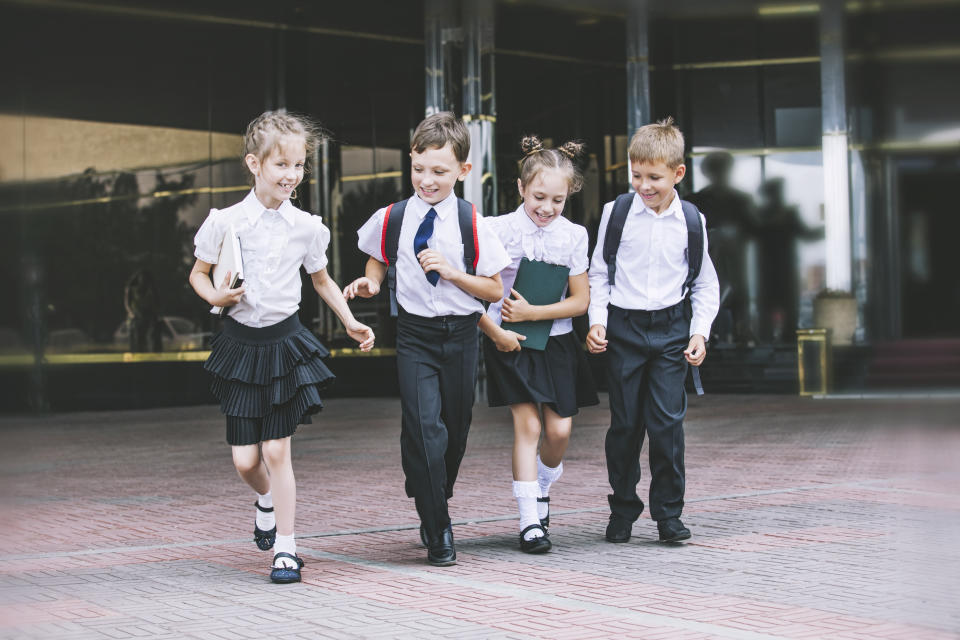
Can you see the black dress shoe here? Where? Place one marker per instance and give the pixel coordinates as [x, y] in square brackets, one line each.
[672, 530]
[537, 544]
[618, 529]
[441, 552]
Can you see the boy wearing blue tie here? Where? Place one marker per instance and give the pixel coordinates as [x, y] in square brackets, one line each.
[440, 260]
[651, 308]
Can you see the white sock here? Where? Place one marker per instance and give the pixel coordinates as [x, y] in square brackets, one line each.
[265, 519]
[285, 544]
[526, 494]
[546, 476]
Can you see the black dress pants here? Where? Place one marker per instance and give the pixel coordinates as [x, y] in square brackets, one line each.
[645, 372]
[437, 368]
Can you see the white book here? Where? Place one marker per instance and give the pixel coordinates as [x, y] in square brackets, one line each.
[229, 261]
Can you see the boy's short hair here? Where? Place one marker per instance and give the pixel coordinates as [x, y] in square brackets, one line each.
[437, 130]
[660, 142]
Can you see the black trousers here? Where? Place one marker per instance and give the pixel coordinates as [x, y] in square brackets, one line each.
[437, 368]
[645, 372]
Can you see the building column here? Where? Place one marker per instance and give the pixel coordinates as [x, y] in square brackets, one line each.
[638, 66]
[479, 106]
[836, 166]
[440, 35]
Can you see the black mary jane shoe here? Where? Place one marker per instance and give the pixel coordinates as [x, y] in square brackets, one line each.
[540, 544]
[286, 575]
[545, 522]
[264, 539]
[441, 552]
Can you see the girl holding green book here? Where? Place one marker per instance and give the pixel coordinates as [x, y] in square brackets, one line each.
[534, 360]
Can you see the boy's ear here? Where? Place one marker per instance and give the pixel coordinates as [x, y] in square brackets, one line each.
[253, 163]
[681, 171]
[464, 170]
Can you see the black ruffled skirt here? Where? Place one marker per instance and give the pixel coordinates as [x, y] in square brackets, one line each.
[559, 376]
[268, 379]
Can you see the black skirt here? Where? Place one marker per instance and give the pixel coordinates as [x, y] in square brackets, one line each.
[268, 379]
[559, 376]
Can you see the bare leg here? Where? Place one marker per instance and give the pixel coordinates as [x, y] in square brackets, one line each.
[526, 437]
[247, 460]
[556, 437]
[276, 454]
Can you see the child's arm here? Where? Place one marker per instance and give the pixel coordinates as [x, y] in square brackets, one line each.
[367, 285]
[517, 309]
[489, 288]
[216, 296]
[324, 285]
[504, 339]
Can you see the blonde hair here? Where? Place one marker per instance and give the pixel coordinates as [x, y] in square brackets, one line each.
[659, 142]
[536, 158]
[439, 129]
[265, 132]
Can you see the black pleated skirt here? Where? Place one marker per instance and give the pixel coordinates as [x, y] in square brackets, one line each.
[268, 379]
[559, 376]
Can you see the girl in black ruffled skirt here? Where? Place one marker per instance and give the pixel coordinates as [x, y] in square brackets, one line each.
[267, 367]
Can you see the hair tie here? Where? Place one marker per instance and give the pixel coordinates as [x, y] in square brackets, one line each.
[536, 149]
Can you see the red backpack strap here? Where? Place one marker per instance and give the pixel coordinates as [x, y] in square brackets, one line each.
[383, 235]
[467, 214]
[476, 241]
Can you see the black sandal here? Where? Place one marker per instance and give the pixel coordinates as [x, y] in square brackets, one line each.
[545, 522]
[264, 539]
[286, 575]
[540, 544]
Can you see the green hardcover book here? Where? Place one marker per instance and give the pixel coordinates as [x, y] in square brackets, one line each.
[540, 283]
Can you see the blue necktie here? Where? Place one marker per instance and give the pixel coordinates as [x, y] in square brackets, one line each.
[424, 231]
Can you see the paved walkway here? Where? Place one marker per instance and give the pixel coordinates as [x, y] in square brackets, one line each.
[810, 519]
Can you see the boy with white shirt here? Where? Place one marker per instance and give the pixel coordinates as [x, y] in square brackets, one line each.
[438, 311]
[652, 311]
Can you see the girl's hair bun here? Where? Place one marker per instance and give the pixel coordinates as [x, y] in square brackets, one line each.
[530, 145]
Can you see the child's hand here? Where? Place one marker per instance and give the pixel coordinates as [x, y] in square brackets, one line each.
[597, 339]
[516, 309]
[363, 287]
[696, 350]
[507, 340]
[431, 260]
[225, 296]
[361, 333]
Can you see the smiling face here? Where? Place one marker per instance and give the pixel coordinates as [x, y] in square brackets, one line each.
[435, 171]
[545, 196]
[279, 173]
[654, 181]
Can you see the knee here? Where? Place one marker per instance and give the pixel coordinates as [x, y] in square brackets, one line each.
[276, 452]
[559, 432]
[246, 463]
[529, 428]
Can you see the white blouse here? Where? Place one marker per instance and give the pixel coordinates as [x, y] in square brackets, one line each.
[561, 242]
[274, 243]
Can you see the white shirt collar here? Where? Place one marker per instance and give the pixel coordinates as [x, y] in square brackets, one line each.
[528, 226]
[442, 208]
[675, 209]
[254, 209]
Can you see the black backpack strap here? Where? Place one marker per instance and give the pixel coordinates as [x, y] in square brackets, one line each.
[694, 244]
[694, 261]
[467, 213]
[389, 244]
[611, 240]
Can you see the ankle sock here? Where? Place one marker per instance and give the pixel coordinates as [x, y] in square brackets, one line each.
[265, 519]
[526, 494]
[546, 476]
[285, 544]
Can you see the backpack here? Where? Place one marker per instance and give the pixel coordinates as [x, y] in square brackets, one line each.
[694, 251]
[390, 241]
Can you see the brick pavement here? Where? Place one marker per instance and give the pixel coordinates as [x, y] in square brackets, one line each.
[811, 519]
